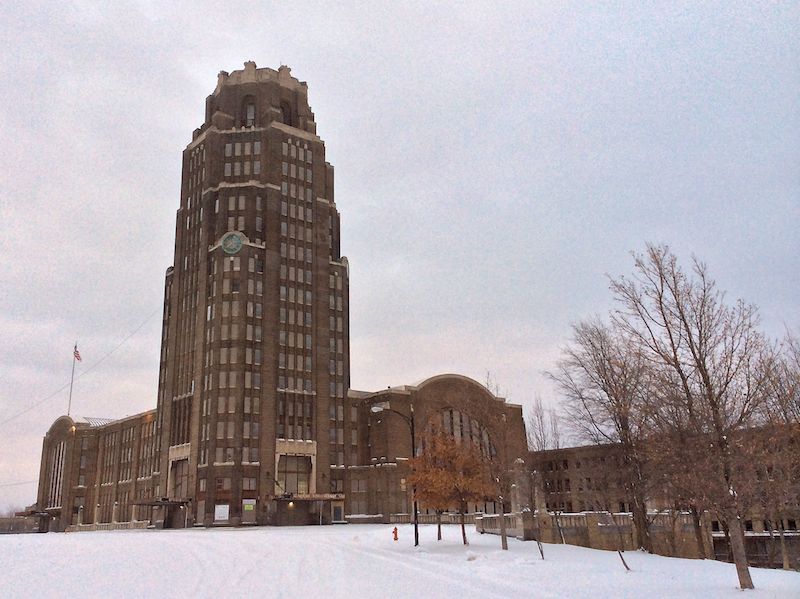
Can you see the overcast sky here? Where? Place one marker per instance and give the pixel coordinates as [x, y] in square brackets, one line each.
[493, 164]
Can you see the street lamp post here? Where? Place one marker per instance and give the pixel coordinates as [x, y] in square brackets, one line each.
[376, 409]
[501, 494]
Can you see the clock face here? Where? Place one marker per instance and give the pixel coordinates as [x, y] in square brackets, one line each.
[231, 243]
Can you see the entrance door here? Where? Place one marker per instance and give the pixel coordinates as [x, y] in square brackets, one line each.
[221, 511]
[248, 511]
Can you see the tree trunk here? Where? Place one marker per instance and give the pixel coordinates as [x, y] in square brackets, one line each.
[727, 540]
[503, 535]
[784, 553]
[771, 551]
[624, 563]
[640, 525]
[671, 536]
[558, 526]
[736, 535]
[619, 530]
[439, 525]
[463, 530]
[698, 533]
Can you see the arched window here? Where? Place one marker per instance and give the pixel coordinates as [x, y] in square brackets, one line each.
[465, 430]
[250, 115]
[248, 112]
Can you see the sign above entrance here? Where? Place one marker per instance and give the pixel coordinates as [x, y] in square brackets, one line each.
[221, 512]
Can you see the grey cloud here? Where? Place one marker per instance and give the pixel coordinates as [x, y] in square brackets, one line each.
[492, 165]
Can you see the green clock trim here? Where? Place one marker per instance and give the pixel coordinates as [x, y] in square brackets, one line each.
[231, 243]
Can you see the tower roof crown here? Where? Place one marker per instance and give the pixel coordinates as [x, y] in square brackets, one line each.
[252, 74]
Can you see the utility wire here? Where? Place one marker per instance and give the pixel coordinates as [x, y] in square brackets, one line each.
[88, 370]
[24, 482]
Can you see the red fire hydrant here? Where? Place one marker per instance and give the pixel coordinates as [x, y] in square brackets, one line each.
[394, 532]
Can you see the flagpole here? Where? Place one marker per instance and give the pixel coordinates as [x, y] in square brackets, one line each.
[72, 378]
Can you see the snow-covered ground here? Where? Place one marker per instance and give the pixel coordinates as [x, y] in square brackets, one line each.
[351, 561]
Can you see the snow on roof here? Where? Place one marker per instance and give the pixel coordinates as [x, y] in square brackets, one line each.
[92, 421]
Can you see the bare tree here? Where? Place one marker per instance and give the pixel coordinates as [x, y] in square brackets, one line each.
[555, 430]
[709, 352]
[777, 446]
[499, 465]
[491, 384]
[678, 466]
[605, 380]
[542, 427]
[783, 401]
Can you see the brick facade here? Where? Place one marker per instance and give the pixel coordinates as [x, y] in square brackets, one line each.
[255, 421]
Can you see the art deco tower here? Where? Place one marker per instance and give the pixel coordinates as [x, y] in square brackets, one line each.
[255, 351]
[255, 420]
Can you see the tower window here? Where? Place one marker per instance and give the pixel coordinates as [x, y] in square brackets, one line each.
[286, 113]
[250, 115]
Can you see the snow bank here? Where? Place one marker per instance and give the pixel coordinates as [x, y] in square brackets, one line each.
[349, 561]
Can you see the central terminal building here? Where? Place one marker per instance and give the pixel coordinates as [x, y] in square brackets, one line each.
[255, 421]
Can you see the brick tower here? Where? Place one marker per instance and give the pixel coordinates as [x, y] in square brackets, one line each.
[254, 365]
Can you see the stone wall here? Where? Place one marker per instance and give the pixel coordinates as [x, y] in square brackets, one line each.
[138, 524]
[673, 534]
[22, 524]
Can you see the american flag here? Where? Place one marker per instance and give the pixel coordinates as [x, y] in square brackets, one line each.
[76, 354]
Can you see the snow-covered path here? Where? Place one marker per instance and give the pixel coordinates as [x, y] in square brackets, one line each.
[349, 561]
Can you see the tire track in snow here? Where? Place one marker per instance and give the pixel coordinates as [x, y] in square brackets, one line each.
[425, 565]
